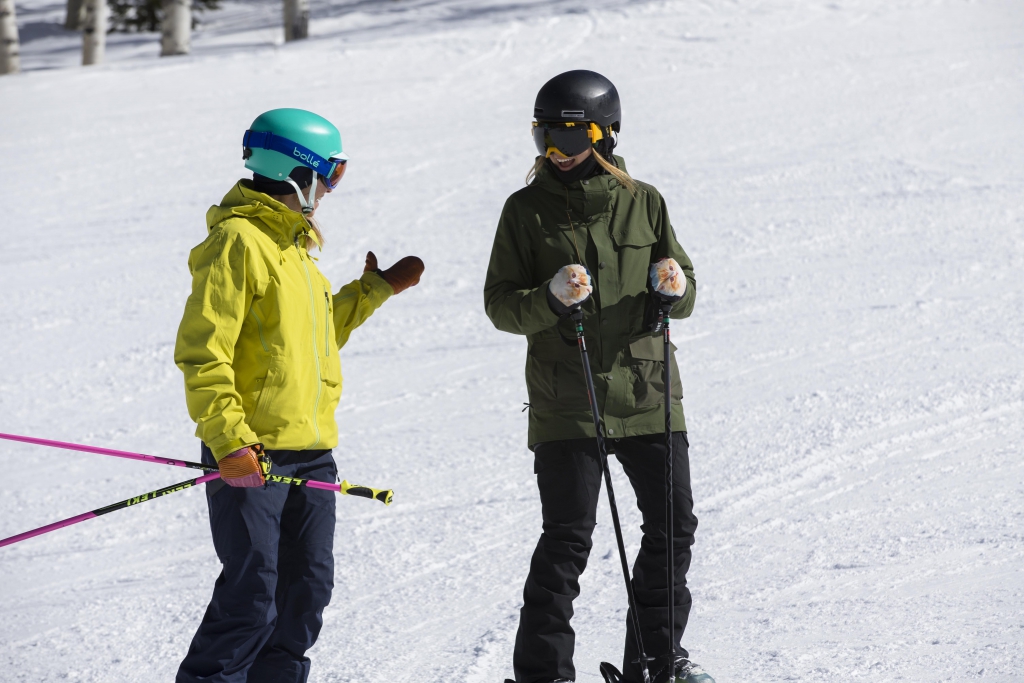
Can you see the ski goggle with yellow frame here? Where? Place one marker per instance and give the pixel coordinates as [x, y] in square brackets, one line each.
[568, 139]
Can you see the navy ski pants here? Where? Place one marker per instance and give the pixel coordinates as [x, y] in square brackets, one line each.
[276, 544]
[569, 478]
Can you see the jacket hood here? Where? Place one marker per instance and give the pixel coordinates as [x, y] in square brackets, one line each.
[243, 201]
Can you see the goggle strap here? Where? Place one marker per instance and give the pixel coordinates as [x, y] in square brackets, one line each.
[266, 140]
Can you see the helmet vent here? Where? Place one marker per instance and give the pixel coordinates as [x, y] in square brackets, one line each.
[572, 114]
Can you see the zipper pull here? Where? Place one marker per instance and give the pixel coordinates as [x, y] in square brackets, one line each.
[327, 324]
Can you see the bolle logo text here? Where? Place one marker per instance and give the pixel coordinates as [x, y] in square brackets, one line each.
[305, 157]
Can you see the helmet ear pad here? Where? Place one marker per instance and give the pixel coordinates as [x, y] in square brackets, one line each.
[605, 145]
[302, 175]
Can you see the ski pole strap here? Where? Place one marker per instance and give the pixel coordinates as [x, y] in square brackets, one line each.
[383, 495]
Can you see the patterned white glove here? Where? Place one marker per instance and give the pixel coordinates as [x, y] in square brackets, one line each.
[569, 288]
[668, 280]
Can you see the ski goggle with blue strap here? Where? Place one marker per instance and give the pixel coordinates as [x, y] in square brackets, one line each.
[331, 170]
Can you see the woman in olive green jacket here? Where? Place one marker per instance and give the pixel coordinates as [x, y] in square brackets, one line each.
[584, 233]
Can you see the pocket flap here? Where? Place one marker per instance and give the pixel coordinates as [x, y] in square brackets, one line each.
[650, 348]
[332, 370]
[634, 236]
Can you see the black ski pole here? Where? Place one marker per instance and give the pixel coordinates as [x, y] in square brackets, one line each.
[577, 316]
[670, 561]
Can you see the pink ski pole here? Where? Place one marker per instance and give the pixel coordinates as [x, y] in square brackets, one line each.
[135, 500]
[383, 495]
[107, 451]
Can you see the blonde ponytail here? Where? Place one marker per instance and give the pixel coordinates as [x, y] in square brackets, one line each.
[624, 178]
[311, 241]
[537, 165]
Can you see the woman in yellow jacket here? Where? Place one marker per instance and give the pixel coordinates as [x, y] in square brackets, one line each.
[258, 345]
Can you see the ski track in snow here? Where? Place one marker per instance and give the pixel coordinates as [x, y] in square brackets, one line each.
[846, 177]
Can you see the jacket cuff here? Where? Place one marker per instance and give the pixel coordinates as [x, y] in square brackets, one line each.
[379, 290]
[225, 445]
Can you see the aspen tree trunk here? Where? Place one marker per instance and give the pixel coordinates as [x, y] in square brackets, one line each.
[176, 28]
[296, 19]
[94, 32]
[73, 20]
[10, 62]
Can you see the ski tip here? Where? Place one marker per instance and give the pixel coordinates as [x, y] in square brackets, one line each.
[610, 673]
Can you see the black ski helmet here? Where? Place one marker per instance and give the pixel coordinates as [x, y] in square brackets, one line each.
[579, 95]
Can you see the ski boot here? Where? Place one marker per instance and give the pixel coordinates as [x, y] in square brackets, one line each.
[688, 672]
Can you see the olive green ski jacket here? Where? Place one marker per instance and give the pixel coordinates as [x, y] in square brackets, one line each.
[617, 237]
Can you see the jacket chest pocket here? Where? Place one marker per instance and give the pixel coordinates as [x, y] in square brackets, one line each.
[332, 370]
[331, 373]
[634, 235]
[648, 367]
[556, 247]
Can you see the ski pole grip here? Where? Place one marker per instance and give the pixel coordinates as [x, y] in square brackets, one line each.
[383, 495]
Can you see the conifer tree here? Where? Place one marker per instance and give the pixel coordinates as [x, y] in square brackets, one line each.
[129, 16]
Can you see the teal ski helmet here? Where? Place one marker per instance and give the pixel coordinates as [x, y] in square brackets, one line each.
[281, 139]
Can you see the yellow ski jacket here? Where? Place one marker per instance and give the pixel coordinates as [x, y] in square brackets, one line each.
[258, 342]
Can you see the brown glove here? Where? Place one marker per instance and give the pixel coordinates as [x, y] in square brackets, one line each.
[400, 276]
[242, 468]
[371, 263]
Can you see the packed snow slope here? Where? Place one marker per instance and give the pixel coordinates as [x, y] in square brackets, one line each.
[847, 178]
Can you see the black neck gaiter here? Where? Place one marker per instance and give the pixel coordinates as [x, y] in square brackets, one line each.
[586, 168]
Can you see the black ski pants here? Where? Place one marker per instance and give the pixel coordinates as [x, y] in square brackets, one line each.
[276, 544]
[569, 477]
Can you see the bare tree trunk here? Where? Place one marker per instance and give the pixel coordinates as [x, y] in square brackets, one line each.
[176, 28]
[10, 62]
[296, 19]
[75, 16]
[94, 32]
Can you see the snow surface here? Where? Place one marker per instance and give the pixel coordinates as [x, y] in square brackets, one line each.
[847, 178]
